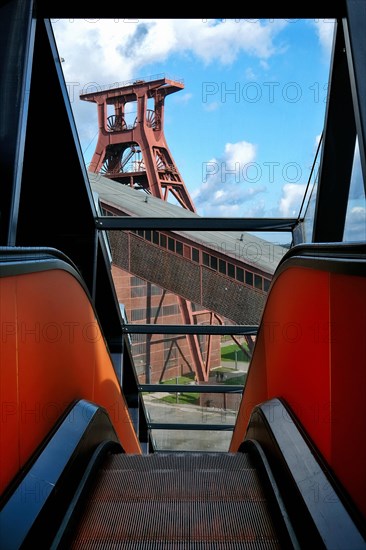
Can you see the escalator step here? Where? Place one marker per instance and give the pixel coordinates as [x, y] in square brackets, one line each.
[196, 500]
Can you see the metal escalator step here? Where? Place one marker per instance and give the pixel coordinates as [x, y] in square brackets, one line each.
[195, 500]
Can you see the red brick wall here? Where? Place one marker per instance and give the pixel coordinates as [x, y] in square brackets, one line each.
[158, 357]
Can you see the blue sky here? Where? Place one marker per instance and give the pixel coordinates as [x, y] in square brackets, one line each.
[244, 130]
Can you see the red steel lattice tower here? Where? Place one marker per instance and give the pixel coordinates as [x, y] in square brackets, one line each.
[132, 150]
[131, 146]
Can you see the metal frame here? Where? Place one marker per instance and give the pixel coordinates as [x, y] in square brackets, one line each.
[191, 388]
[345, 119]
[190, 329]
[355, 44]
[197, 224]
[337, 151]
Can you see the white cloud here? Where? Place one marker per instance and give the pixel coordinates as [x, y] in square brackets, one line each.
[250, 74]
[98, 53]
[357, 189]
[213, 106]
[240, 153]
[264, 64]
[290, 202]
[107, 49]
[355, 229]
[230, 37]
[183, 98]
[325, 31]
[225, 181]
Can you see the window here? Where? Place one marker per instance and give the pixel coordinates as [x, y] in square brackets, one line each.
[205, 259]
[195, 255]
[249, 278]
[170, 310]
[138, 338]
[240, 274]
[222, 267]
[258, 282]
[213, 262]
[136, 281]
[138, 291]
[171, 244]
[156, 290]
[163, 240]
[231, 270]
[179, 248]
[139, 349]
[138, 314]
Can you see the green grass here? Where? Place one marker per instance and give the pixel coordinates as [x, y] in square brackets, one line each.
[182, 399]
[228, 353]
[236, 380]
[186, 379]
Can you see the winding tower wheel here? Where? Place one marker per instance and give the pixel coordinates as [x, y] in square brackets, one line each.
[116, 123]
[120, 159]
[152, 119]
[112, 160]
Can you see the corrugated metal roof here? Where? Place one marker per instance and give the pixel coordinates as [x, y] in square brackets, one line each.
[242, 246]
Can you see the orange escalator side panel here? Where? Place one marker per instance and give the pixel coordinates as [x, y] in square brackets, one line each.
[348, 384]
[61, 356]
[291, 356]
[311, 352]
[297, 349]
[9, 420]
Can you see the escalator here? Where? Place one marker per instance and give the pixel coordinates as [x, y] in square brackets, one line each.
[74, 474]
[197, 500]
[82, 491]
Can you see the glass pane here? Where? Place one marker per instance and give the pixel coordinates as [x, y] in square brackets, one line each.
[163, 240]
[193, 408]
[240, 274]
[355, 226]
[237, 92]
[213, 262]
[195, 255]
[211, 404]
[169, 359]
[192, 440]
[171, 244]
[258, 282]
[308, 207]
[222, 267]
[231, 270]
[222, 284]
[249, 277]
